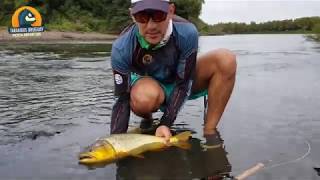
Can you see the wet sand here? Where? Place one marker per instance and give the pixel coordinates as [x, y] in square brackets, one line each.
[58, 37]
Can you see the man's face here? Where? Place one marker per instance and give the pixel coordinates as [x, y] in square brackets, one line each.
[153, 24]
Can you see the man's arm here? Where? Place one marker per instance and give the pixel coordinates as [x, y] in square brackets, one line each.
[181, 91]
[121, 109]
[188, 45]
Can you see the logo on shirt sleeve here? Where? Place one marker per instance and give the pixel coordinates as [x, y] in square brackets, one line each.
[118, 79]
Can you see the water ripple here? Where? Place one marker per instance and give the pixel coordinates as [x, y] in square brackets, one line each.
[40, 97]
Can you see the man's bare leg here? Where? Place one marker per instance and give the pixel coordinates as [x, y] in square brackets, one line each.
[216, 72]
[146, 96]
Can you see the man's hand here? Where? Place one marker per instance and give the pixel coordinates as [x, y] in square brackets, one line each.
[164, 131]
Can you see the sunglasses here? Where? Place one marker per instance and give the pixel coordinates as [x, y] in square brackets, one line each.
[144, 16]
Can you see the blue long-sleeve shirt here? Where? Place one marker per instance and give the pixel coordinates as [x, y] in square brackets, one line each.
[173, 63]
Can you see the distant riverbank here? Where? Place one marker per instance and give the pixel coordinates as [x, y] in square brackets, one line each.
[66, 37]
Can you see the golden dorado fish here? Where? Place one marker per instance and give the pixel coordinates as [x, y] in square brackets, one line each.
[118, 146]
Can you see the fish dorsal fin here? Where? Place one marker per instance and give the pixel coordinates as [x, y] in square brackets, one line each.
[135, 130]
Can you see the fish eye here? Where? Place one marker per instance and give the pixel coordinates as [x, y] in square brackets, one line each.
[30, 15]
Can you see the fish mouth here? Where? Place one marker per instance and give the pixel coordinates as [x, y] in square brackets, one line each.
[86, 158]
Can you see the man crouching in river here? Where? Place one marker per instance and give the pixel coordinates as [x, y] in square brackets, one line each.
[155, 66]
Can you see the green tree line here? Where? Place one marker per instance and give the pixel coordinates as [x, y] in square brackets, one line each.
[299, 25]
[88, 15]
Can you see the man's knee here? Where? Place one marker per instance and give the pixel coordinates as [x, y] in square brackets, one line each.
[226, 62]
[146, 96]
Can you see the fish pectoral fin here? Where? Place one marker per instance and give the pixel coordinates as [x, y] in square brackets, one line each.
[159, 149]
[138, 156]
[137, 153]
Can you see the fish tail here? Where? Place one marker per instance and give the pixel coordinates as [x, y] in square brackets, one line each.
[181, 140]
[184, 136]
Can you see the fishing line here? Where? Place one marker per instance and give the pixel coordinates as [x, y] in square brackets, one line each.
[264, 165]
[294, 160]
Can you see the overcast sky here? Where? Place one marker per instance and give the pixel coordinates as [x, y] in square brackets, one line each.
[214, 11]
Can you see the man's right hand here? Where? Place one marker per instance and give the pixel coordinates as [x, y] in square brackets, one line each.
[164, 131]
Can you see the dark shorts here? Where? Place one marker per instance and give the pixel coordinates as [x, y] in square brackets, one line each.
[168, 88]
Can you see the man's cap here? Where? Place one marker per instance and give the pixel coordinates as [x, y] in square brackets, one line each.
[140, 5]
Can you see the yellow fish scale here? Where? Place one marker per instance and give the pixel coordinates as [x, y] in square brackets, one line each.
[134, 143]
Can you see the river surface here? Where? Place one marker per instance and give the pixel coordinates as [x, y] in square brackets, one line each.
[57, 99]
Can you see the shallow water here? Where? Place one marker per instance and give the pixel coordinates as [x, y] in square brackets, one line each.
[57, 99]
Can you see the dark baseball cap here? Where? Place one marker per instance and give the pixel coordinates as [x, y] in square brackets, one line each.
[140, 5]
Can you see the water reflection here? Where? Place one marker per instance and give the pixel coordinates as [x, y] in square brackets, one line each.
[56, 51]
[202, 161]
[175, 163]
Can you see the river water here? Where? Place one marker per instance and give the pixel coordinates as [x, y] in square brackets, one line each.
[57, 99]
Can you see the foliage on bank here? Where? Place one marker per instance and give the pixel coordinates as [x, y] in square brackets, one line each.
[316, 31]
[299, 25]
[88, 15]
